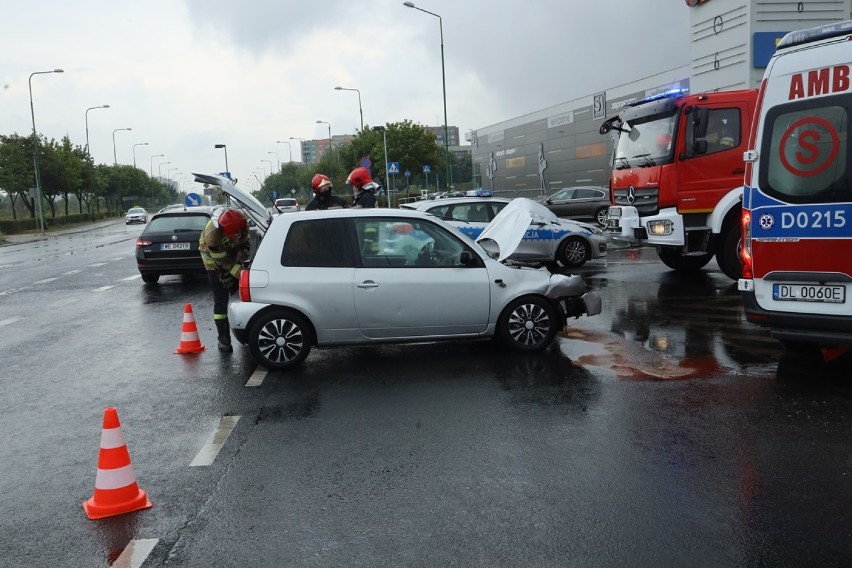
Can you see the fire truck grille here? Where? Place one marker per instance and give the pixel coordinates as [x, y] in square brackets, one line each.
[645, 200]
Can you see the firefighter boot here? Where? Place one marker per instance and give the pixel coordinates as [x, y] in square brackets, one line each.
[223, 328]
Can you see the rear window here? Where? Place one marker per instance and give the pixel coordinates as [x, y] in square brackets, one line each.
[806, 151]
[177, 223]
[285, 202]
[317, 243]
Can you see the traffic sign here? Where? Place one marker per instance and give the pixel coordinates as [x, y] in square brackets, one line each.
[393, 168]
[426, 169]
[366, 162]
[192, 200]
[407, 173]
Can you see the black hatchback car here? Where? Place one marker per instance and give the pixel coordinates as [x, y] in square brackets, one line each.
[169, 243]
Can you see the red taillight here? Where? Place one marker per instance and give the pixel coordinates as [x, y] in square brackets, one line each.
[245, 293]
[142, 243]
[745, 249]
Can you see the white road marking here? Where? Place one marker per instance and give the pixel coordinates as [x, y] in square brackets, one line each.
[207, 454]
[97, 264]
[117, 258]
[63, 303]
[257, 377]
[10, 321]
[136, 553]
[104, 288]
[70, 272]
[134, 277]
[11, 291]
[46, 280]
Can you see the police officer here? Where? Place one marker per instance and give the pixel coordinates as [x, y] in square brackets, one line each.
[224, 245]
[363, 186]
[323, 197]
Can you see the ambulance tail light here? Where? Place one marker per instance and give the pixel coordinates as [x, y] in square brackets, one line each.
[745, 250]
[245, 291]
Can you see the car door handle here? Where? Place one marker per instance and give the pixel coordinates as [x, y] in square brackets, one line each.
[368, 284]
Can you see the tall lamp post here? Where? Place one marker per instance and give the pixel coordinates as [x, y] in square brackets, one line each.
[225, 147]
[152, 163]
[279, 160]
[444, 81]
[87, 124]
[114, 155]
[289, 148]
[35, 149]
[301, 149]
[134, 151]
[169, 175]
[385, 139]
[160, 169]
[360, 109]
[271, 167]
[330, 145]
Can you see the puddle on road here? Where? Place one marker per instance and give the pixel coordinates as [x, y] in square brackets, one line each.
[634, 361]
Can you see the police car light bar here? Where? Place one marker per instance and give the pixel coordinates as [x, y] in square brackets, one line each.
[815, 34]
[672, 94]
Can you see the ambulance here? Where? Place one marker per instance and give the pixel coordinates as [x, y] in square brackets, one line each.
[797, 200]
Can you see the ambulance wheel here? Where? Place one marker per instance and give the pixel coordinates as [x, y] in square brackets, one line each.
[674, 259]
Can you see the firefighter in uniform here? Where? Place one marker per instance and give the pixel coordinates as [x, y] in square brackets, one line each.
[363, 186]
[323, 197]
[224, 245]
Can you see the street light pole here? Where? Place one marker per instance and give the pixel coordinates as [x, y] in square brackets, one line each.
[289, 148]
[225, 147]
[152, 163]
[360, 109]
[160, 169]
[87, 123]
[279, 160]
[444, 82]
[114, 155]
[330, 145]
[134, 151]
[271, 167]
[385, 140]
[35, 149]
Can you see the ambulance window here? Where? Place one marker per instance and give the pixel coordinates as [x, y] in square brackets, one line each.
[805, 149]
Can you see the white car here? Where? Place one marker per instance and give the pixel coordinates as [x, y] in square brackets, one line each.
[548, 238]
[371, 276]
[286, 205]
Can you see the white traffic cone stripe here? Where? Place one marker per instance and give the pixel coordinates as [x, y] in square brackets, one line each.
[112, 438]
[189, 336]
[115, 478]
[187, 317]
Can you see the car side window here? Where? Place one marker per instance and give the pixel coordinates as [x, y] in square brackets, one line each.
[587, 194]
[496, 207]
[400, 242]
[317, 243]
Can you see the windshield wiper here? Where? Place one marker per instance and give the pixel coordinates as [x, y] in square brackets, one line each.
[624, 163]
[650, 161]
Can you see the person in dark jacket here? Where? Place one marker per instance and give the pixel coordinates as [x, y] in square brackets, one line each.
[323, 196]
[363, 186]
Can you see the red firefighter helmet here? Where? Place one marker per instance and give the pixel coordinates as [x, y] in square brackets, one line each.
[359, 177]
[321, 183]
[233, 224]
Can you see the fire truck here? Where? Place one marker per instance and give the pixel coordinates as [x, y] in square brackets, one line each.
[677, 176]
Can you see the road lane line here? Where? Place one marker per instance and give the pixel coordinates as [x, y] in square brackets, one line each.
[104, 288]
[256, 378]
[97, 264]
[207, 454]
[117, 258]
[11, 291]
[70, 272]
[46, 280]
[136, 553]
[10, 321]
[134, 277]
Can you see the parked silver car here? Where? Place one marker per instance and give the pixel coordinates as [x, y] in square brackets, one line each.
[583, 202]
[548, 238]
[370, 276]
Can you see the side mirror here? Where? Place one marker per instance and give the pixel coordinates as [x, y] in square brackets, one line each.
[466, 258]
[700, 147]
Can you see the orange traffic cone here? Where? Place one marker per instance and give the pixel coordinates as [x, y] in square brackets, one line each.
[189, 341]
[116, 491]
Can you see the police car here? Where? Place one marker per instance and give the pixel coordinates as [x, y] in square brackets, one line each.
[548, 238]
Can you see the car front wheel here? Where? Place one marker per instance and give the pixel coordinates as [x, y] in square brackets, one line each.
[600, 216]
[574, 252]
[280, 340]
[528, 324]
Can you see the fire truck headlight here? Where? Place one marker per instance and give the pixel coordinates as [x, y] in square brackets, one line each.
[660, 228]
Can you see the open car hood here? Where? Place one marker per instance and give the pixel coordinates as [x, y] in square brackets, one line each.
[508, 227]
[246, 201]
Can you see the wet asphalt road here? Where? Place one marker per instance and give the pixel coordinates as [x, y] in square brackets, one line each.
[665, 431]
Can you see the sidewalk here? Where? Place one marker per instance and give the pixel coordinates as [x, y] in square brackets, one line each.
[28, 237]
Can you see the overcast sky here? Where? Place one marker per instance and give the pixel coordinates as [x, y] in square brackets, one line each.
[188, 74]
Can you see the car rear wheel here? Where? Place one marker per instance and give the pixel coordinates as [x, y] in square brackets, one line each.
[529, 323]
[280, 340]
[150, 277]
[600, 216]
[574, 252]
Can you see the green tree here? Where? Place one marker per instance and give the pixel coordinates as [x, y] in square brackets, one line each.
[16, 170]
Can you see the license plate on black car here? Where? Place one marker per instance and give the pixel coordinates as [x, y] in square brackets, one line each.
[174, 246]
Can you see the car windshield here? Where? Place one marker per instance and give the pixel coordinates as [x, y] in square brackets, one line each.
[285, 202]
[177, 223]
[136, 210]
[648, 142]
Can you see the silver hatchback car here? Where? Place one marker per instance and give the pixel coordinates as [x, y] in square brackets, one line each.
[372, 276]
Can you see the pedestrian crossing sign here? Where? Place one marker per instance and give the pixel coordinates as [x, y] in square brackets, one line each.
[393, 168]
